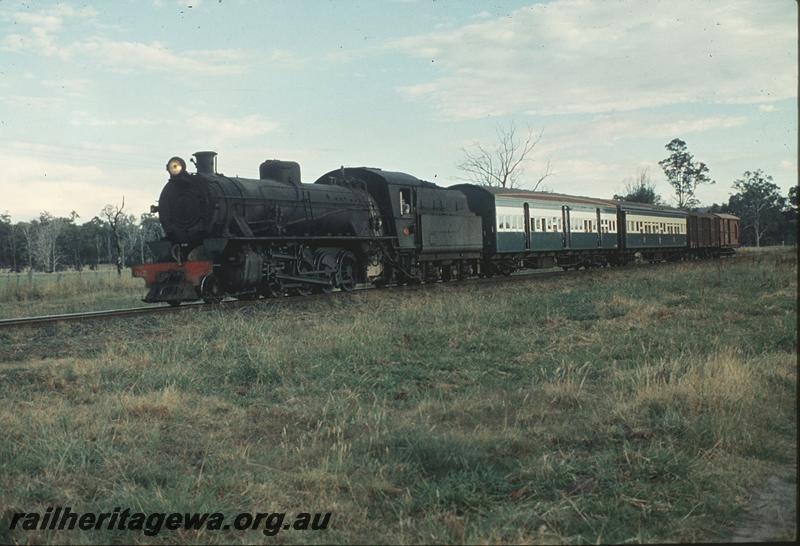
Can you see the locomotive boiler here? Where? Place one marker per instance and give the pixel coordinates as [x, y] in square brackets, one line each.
[250, 237]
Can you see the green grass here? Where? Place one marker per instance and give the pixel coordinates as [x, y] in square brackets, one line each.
[636, 404]
[23, 294]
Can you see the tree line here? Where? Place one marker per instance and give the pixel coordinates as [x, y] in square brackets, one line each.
[54, 243]
[767, 216]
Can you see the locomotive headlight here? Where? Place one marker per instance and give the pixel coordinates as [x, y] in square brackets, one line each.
[176, 166]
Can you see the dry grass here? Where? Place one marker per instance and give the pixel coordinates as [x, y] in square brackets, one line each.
[611, 407]
[24, 294]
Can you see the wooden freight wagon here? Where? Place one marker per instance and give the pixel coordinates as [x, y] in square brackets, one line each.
[703, 231]
[728, 230]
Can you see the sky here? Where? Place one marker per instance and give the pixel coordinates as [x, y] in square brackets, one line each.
[95, 97]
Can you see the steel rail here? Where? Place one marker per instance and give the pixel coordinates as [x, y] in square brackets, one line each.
[155, 309]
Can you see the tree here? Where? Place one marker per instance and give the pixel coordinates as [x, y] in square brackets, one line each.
[640, 189]
[502, 165]
[790, 216]
[8, 251]
[758, 203]
[683, 173]
[129, 234]
[28, 231]
[115, 216]
[46, 244]
[150, 230]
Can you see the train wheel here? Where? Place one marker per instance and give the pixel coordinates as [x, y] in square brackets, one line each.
[346, 272]
[305, 264]
[325, 260]
[210, 290]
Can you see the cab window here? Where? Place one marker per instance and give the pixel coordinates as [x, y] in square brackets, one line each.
[405, 201]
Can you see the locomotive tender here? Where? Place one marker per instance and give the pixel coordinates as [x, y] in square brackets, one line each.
[271, 236]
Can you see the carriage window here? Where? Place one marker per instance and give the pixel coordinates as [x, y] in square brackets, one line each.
[405, 201]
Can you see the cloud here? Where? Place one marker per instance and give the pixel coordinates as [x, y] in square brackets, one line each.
[33, 102]
[126, 56]
[85, 119]
[579, 56]
[222, 129]
[122, 56]
[609, 129]
[36, 184]
[74, 87]
[767, 108]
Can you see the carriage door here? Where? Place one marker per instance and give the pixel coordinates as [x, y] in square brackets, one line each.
[599, 230]
[566, 234]
[527, 226]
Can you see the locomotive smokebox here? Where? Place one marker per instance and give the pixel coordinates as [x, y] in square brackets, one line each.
[206, 162]
[287, 172]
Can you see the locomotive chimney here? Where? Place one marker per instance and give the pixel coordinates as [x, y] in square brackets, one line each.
[206, 162]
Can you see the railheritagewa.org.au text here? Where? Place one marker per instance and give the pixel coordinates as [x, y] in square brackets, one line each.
[152, 523]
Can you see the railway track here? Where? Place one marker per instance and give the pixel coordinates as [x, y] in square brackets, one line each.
[230, 304]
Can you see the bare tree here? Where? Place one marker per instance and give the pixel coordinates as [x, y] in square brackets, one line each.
[48, 253]
[502, 165]
[115, 216]
[28, 230]
[128, 233]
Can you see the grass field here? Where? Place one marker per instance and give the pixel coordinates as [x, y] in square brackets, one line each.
[23, 294]
[624, 405]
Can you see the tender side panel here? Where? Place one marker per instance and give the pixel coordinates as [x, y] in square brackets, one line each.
[451, 233]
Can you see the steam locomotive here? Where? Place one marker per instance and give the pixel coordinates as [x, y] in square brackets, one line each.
[272, 236]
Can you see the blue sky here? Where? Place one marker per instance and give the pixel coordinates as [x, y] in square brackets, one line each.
[95, 97]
